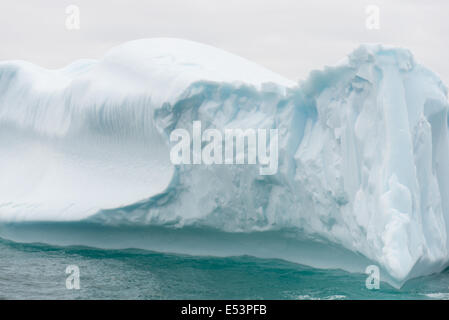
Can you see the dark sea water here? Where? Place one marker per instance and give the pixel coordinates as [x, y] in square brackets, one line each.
[37, 271]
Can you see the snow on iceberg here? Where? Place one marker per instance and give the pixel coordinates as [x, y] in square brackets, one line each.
[363, 148]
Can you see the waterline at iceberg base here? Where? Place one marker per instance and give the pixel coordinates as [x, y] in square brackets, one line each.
[363, 158]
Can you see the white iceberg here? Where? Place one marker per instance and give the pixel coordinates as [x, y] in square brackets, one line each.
[363, 148]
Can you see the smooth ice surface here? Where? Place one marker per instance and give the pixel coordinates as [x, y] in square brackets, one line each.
[363, 158]
[84, 138]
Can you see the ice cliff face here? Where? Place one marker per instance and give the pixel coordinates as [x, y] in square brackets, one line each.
[373, 164]
[363, 148]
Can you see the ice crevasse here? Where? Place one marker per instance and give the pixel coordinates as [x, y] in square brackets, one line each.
[363, 148]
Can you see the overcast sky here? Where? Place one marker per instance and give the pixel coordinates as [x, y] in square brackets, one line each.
[291, 37]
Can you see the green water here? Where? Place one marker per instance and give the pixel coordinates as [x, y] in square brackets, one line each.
[37, 271]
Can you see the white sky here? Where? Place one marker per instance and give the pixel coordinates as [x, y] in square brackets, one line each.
[290, 37]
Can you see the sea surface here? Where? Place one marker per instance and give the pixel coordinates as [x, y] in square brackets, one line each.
[38, 271]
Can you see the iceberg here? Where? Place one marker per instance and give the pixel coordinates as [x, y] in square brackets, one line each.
[363, 149]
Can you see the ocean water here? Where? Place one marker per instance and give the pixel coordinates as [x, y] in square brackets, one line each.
[37, 271]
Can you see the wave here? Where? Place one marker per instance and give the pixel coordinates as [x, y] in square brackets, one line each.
[289, 245]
